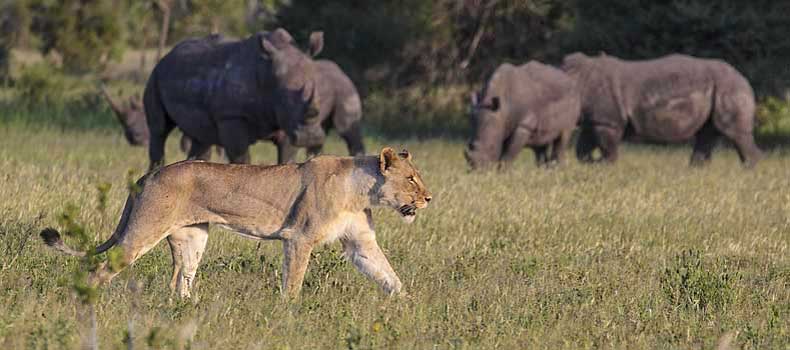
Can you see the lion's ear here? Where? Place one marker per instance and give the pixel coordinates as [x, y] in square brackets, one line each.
[386, 159]
[405, 154]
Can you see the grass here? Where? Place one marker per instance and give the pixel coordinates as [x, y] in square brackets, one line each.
[647, 253]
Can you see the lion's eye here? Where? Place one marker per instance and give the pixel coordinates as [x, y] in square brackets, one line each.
[411, 180]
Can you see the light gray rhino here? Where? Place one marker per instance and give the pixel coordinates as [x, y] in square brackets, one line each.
[674, 98]
[532, 105]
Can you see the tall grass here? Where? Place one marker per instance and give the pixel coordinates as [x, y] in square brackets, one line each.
[647, 253]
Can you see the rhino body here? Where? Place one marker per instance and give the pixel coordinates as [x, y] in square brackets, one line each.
[233, 93]
[670, 99]
[533, 105]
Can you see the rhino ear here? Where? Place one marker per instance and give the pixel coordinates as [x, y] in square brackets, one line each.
[282, 36]
[316, 43]
[495, 104]
[268, 49]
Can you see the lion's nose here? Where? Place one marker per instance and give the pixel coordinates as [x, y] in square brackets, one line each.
[428, 199]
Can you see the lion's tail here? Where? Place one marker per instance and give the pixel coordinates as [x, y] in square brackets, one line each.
[51, 236]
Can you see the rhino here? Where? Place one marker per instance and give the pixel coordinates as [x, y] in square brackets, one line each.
[131, 115]
[340, 108]
[670, 99]
[532, 105]
[232, 93]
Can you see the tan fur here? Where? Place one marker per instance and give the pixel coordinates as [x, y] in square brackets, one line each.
[324, 199]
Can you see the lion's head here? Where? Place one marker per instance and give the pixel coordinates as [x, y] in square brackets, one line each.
[403, 188]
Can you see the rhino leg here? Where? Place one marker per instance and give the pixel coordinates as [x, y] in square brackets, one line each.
[541, 155]
[609, 139]
[314, 151]
[514, 144]
[559, 146]
[586, 144]
[353, 138]
[156, 146]
[286, 152]
[747, 149]
[234, 138]
[199, 150]
[704, 142]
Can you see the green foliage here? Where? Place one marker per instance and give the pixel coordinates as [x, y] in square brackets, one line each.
[87, 34]
[748, 34]
[773, 116]
[43, 84]
[415, 41]
[693, 284]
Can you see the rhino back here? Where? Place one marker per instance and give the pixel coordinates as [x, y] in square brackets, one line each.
[338, 93]
[668, 98]
[536, 96]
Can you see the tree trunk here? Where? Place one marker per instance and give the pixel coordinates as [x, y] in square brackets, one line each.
[164, 6]
[479, 34]
[143, 47]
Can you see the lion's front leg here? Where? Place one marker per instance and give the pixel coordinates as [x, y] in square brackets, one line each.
[296, 257]
[364, 252]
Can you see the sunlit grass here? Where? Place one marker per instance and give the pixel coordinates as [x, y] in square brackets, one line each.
[572, 257]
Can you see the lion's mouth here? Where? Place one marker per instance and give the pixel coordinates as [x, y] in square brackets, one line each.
[408, 212]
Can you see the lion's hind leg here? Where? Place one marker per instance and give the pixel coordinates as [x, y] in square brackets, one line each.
[187, 245]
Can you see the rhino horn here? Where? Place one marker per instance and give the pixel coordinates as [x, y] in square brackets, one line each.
[316, 43]
[269, 50]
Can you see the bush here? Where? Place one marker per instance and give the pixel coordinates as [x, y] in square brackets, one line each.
[750, 35]
[41, 83]
[773, 116]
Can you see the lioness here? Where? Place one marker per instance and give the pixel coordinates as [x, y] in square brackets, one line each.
[303, 205]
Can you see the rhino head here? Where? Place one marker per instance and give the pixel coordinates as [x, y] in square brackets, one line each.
[131, 116]
[489, 124]
[296, 98]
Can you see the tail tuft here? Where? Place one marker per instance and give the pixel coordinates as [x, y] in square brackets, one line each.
[51, 237]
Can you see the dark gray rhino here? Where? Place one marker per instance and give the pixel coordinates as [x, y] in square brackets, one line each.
[233, 93]
[669, 99]
[529, 105]
[340, 109]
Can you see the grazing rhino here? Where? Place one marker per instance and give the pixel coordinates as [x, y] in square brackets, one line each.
[529, 105]
[233, 93]
[669, 99]
[132, 118]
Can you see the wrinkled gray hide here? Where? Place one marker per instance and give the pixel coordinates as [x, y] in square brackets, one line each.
[674, 98]
[531, 105]
[233, 93]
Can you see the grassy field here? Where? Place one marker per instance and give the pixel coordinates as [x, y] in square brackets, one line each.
[647, 253]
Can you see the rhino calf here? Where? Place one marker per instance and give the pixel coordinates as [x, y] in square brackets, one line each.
[529, 105]
[669, 99]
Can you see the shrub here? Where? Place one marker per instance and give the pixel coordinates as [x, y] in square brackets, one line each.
[773, 116]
